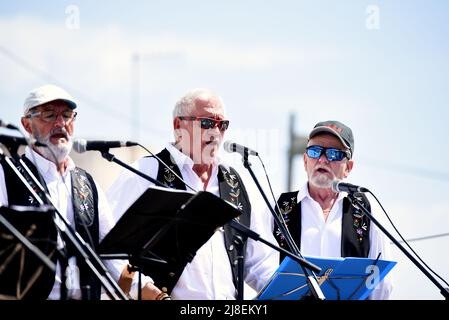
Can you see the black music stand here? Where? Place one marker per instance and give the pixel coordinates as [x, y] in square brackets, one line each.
[28, 251]
[166, 225]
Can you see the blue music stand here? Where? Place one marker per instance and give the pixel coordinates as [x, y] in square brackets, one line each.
[340, 278]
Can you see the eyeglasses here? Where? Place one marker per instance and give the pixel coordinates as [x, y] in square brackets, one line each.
[332, 154]
[209, 123]
[51, 116]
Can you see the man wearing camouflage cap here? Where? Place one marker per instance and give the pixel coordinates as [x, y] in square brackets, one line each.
[321, 221]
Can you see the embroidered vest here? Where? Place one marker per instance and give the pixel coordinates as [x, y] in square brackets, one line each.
[85, 208]
[355, 227]
[231, 189]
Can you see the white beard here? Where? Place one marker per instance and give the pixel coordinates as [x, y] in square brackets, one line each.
[55, 153]
[321, 181]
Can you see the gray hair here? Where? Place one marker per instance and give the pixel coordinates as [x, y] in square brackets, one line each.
[186, 103]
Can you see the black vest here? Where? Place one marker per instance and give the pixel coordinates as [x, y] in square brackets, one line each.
[85, 208]
[355, 240]
[231, 189]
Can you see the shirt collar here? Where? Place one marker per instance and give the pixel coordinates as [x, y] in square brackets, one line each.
[46, 166]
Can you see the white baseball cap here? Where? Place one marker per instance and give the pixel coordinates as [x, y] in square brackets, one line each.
[45, 94]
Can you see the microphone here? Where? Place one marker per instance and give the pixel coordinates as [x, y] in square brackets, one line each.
[7, 125]
[81, 145]
[340, 186]
[235, 147]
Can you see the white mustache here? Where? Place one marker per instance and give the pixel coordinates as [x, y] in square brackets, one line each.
[322, 167]
[212, 139]
[60, 131]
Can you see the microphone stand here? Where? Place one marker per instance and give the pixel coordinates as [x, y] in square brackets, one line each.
[82, 248]
[358, 204]
[13, 146]
[312, 281]
[245, 233]
[244, 230]
[110, 157]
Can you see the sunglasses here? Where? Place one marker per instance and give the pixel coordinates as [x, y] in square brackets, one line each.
[332, 154]
[208, 123]
[51, 116]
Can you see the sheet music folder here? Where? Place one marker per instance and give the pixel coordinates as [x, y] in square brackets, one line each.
[340, 278]
[167, 224]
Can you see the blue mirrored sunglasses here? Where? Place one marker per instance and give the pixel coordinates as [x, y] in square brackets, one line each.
[332, 154]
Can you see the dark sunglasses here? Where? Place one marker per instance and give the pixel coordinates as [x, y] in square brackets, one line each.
[208, 123]
[332, 154]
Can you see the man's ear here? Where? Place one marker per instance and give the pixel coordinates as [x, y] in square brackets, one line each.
[349, 166]
[176, 123]
[26, 123]
[304, 157]
[177, 130]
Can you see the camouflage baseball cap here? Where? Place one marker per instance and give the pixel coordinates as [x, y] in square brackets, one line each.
[338, 129]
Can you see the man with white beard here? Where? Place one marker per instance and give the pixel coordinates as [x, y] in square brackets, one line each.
[321, 221]
[49, 116]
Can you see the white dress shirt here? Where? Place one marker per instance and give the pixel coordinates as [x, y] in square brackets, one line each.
[208, 276]
[323, 238]
[60, 189]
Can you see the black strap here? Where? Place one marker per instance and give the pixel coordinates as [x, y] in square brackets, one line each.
[291, 213]
[233, 190]
[355, 241]
[85, 208]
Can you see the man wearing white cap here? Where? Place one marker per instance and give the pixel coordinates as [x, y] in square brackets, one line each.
[49, 117]
[41, 120]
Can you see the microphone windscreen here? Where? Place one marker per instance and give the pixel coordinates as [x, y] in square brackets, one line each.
[227, 146]
[80, 145]
[335, 184]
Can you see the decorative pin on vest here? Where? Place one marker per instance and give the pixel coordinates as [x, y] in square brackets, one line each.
[169, 177]
[234, 192]
[359, 225]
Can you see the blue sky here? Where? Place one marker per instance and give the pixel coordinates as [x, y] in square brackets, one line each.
[318, 59]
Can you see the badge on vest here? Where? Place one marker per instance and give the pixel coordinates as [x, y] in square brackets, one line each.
[359, 225]
[234, 192]
[287, 207]
[169, 177]
[83, 193]
[230, 179]
[82, 197]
